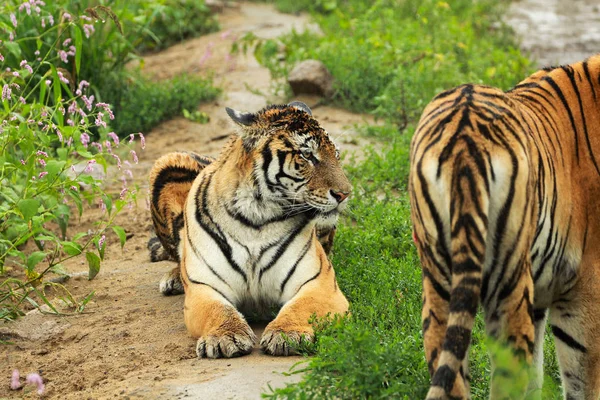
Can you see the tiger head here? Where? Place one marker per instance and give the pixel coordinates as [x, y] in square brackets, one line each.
[295, 163]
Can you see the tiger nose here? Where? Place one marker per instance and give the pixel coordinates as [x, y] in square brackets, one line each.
[339, 196]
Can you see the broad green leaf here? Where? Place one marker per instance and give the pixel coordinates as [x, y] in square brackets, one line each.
[13, 48]
[62, 153]
[93, 264]
[34, 258]
[71, 248]
[121, 234]
[54, 167]
[29, 207]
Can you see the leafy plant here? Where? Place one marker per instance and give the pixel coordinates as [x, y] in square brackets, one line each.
[55, 147]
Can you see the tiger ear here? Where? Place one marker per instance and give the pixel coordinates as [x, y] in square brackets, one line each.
[301, 106]
[241, 118]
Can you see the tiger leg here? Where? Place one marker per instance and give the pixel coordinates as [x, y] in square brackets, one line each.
[434, 314]
[575, 322]
[220, 328]
[320, 296]
[535, 385]
[510, 319]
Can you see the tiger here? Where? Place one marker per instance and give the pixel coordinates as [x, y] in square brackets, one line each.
[251, 231]
[505, 202]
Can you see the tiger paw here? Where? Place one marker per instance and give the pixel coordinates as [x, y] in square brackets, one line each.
[279, 342]
[226, 345]
[171, 284]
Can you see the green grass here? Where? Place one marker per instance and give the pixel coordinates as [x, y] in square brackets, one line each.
[141, 103]
[390, 58]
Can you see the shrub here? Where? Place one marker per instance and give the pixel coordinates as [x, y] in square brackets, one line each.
[52, 136]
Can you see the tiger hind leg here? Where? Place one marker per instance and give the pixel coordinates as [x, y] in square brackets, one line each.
[170, 283]
[575, 323]
[510, 320]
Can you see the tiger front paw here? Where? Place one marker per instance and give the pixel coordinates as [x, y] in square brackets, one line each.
[226, 344]
[279, 342]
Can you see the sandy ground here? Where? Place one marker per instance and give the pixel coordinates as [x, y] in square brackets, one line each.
[131, 342]
[557, 32]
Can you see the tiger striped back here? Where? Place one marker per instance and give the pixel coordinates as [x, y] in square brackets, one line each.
[504, 191]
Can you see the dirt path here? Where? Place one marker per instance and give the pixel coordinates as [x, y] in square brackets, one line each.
[557, 31]
[131, 342]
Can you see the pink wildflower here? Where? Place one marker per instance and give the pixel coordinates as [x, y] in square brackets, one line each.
[108, 147]
[69, 142]
[63, 56]
[22, 99]
[142, 140]
[123, 193]
[129, 173]
[13, 19]
[88, 168]
[88, 30]
[48, 82]
[101, 241]
[60, 136]
[25, 65]
[85, 139]
[106, 109]
[22, 161]
[114, 137]
[98, 146]
[16, 74]
[42, 162]
[74, 188]
[102, 205]
[134, 156]
[1, 57]
[62, 77]
[118, 160]
[67, 17]
[82, 85]
[51, 20]
[6, 92]
[36, 379]
[41, 153]
[43, 174]
[131, 137]
[88, 101]
[66, 42]
[14, 380]
[99, 121]
[70, 122]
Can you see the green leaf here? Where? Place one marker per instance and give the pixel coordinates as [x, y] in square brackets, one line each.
[121, 234]
[29, 208]
[54, 167]
[62, 153]
[34, 258]
[13, 48]
[93, 263]
[78, 48]
[71, 248]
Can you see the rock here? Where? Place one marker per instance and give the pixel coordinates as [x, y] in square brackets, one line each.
[311, 77]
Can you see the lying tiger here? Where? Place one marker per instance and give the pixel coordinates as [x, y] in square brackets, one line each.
[245, 230]
[505, 195]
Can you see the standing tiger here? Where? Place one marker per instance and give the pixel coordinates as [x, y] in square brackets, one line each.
[245, 230]
[505, 197]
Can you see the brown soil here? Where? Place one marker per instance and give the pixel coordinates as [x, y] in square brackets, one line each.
[131, 342]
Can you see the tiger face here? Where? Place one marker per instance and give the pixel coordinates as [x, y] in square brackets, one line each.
[295, 163]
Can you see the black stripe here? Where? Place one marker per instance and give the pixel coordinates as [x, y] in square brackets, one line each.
[443, 293]
[567, 339]
[457, 341]
[293, 269]
[212, 228]
[444, 377]
[171, 174]
[312, 278]
[213, 288]
[283, 247]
